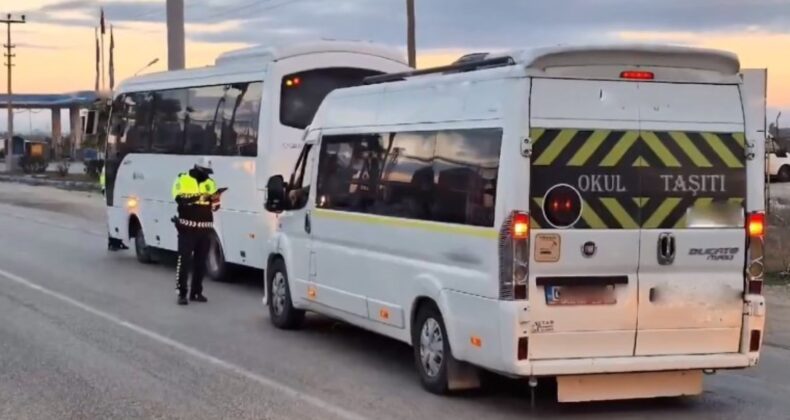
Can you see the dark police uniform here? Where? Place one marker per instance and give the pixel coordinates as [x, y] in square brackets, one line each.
[195, 193]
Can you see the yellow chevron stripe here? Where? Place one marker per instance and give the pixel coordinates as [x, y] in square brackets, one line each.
[591, 218]
[661, 213]
[555, 148]
[688, 147]
[640, 162]
[655, 144]
[641, 201]
[619, 213]
[726, 155]
[536, 133]
[620, 149]
[740, 138]
[590, 146]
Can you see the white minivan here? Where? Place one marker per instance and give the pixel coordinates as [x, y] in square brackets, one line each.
[592, 214]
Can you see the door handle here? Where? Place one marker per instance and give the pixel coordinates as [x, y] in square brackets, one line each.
[666, 248]
[307, 223]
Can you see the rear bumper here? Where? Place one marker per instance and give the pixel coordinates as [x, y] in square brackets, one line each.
[633, 364]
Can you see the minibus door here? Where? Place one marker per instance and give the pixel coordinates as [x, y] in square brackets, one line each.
[584, 212]
[691, 270]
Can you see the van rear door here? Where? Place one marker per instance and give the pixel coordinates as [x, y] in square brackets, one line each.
[693, 179]
[585, 252]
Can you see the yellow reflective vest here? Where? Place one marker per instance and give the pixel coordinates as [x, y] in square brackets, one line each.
[187, 186]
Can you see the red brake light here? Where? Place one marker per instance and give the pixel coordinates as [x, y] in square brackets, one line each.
[756, 225]
[520, 226]
[637, 75]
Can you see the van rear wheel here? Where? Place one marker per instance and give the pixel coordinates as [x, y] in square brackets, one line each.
[784, 174]
[216, 266]
[431, 350]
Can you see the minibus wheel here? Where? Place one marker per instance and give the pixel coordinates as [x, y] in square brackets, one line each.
[142, 251]
[281, 310]
[431, 349]
[216, 266]
[784, 174]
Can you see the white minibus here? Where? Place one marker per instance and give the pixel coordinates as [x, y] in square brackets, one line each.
[594, 215]
[246, 114]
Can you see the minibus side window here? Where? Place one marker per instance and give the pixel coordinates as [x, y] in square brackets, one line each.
[445, 176]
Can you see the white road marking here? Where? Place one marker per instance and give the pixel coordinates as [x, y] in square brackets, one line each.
[262, 380]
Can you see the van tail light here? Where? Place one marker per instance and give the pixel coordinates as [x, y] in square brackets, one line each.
[755, 254]
[637, 75]
[756, 224]
[514, 257]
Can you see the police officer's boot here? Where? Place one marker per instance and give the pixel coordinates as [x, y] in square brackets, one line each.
[198, 297]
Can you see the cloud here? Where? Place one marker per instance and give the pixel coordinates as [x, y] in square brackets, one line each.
[449, 24]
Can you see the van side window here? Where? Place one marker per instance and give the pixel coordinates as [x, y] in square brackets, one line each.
[444, 176]
[349, 172]
[299, 183]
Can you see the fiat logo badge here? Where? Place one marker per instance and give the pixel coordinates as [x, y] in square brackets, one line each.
[588, 249]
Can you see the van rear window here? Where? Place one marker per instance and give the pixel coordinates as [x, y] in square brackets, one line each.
[302, 93]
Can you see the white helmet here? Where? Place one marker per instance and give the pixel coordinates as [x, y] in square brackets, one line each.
[204, 164]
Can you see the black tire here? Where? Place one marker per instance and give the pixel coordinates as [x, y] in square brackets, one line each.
[143, 252]
[281, 310]
[435, 378]
[784, 174]
[216, 266]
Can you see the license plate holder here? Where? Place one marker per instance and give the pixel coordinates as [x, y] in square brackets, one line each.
[580, 295]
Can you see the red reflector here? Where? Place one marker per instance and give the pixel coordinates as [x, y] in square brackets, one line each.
[520, 226]
[637, 75]
[756, 224]
[755, 287]
[754, 343]
[523, 348]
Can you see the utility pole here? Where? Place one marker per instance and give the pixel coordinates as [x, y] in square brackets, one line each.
[176, 56]
[9, 158]
[412, 38]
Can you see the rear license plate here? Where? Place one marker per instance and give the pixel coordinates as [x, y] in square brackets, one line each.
[580, 295]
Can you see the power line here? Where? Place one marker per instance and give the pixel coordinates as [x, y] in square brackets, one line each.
[244, 7]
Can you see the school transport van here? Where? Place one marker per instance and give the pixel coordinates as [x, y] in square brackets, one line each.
[594, 215]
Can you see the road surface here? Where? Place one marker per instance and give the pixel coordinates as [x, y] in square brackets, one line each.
[89, 334]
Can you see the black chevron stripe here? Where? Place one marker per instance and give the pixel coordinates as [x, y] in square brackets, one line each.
[733, 146]
[544, 142]
[606, 146]
[677, 213]
[707, 150]
[677, 151]
[576, 142]
[597, 206]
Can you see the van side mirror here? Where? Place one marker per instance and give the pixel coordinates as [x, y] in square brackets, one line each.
[276, 194]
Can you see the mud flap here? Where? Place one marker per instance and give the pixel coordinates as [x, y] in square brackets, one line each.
[585, 388]
[462, 376]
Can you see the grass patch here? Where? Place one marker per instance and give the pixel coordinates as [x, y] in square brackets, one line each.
[777, 279]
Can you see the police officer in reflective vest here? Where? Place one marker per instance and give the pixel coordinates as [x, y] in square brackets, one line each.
[197, 198]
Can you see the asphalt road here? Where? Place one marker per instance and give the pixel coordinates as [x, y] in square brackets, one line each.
[89, 334]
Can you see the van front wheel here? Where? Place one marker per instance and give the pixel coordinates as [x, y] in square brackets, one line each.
[281, 310]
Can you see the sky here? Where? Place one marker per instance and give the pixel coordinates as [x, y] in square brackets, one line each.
[56, 48]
